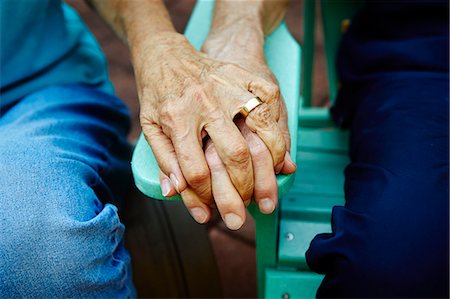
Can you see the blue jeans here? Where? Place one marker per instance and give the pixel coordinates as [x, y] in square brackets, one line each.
[64, 169]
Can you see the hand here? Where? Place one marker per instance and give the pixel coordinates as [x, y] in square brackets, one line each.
[230, 206]
[266, 191]
[228, 202]
[184, 96]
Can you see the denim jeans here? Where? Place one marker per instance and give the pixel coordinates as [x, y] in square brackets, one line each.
[64, 169]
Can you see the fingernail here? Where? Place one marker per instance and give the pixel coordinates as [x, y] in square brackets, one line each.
[233, 221]
[165, 187]
[266, 205]
[199, 215]
[279, 167]
[175, 182]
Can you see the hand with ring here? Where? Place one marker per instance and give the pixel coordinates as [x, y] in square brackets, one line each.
[203, 98]
[231, 45]
[227, 199]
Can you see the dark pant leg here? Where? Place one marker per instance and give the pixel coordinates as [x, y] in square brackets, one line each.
[391, 239]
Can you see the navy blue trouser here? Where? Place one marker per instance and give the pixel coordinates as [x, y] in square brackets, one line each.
[391, 239]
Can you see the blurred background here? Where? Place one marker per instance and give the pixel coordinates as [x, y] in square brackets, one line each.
[234, 251]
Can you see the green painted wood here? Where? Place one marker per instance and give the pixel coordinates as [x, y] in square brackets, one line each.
[295, 237]
[285, 284]
[333, 13]
[322, 154]
[331, 140]
[308, 51]
[283, 57]
[306, 208]
[266, 243]
[314, 117]
[314, 207]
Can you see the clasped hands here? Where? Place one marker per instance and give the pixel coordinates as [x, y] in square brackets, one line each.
[207, 152]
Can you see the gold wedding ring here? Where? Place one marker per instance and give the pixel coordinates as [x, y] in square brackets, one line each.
[250, 105]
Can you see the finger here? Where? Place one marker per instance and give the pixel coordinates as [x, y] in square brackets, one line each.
[283, 124]
[165, 155]
[227, 199]
[167, 188]
[261, 122]
[189, 152]
[288, 165]
[266, 189]
[198, 209]
[234, 153]
[269, 93]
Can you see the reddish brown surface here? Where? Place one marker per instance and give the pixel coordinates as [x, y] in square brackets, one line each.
[235, 251]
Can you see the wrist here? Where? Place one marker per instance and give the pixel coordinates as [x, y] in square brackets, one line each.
[238, 40]
[155, 45]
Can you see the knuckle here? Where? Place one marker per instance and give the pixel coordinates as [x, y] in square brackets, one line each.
[227, 201]
[229, 205]
[145, 118]
[266, 189]
[215, 115]
[265, 112]
[170, 113]
[149, 130]
[197, 93]
[273, 91]
[210, 150]
[239, 153]
[197, 176]
[259, 150]
[262, 116]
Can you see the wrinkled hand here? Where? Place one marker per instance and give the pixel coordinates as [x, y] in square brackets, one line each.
[266, 189]
[227, 200]
[226, 197]
[184, 96]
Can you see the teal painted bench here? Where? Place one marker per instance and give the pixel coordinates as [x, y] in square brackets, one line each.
[283, 237]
